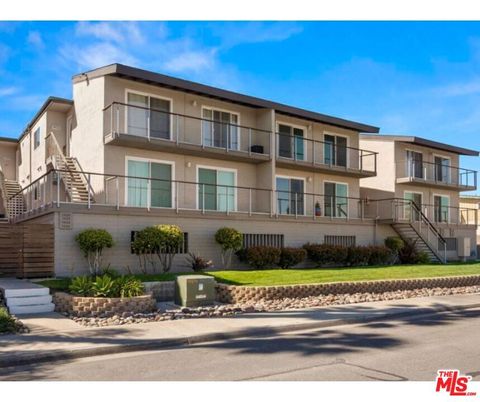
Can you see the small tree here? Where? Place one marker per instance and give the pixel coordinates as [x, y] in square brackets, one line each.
[145, 245]
[230, 241]
[169, 240]
[92, 242]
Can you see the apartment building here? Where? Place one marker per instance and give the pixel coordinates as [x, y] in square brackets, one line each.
[425, 179]
[135, 148]
[469, 203]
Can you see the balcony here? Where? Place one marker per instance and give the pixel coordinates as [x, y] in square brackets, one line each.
[436, 175]
[319, 156]
[153, 129]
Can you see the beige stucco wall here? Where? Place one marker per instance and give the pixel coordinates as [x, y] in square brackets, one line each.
[8, 159]
[201, 229]
[385, 178]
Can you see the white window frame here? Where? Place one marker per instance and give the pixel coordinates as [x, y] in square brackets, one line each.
[331, 133]
[150, 95]
[413, 192]
[214, 108]
[448, 209]
[149, 201]
[281, 176]
[217, 168]
[405, 163]
[348, 199]
[305, 140]
[434, 155]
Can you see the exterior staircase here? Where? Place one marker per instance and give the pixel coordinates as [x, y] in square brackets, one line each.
[419, 231]
[23, 297]
[15, 200]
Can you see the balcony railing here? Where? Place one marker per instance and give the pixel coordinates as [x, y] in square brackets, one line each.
[160, 126]
[325, 154]
[437, 173]
[119, 191]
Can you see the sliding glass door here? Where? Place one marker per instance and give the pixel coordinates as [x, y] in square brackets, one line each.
[415, 164]
[335, 150]
[220, 129]
[442, 169]
[290, 196]
[216, 191]
[336, 200]
[148, 116]
[410, 212]
[142, 192]
[441, 208]
[291, 142]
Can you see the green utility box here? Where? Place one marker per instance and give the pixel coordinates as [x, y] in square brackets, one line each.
[194, 290]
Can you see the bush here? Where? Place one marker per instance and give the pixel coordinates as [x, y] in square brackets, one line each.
[230, 241]
[323, 254]
[242, 255]
[394, 243]
[92, 242]
[106, 286]
[197, 263]
[81, 286]
[7, 322]
[112, 273]
[291, 256]
[380, 255]
[261, 257]
[162, 241]
[358, 256]
[408, 254]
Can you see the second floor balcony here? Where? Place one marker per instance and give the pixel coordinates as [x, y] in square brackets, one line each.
[437, 174]
[330, 156]
[215, 133]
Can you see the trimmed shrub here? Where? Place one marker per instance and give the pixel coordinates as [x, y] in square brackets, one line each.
[323, 254]
[242, 255]
[261, 257]
[230, 241]
[92, 242]
[408, 254]
[170, 240]
[394, 243]
[145, 245]
[380, 255]
[197, 263]
[358, 256]
[291, 256]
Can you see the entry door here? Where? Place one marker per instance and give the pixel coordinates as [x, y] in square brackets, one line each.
[410, 212]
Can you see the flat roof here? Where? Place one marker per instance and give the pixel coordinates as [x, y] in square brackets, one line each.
[422, 141]
[8, 139]
[136, 74]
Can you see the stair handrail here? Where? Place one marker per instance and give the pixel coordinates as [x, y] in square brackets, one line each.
[3, 190]
[431, 226]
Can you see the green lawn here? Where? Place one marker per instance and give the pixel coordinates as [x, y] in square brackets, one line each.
[305, 276]
[322, 275]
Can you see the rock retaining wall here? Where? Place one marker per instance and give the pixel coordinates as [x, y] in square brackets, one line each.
[241, 294]
[93, 306]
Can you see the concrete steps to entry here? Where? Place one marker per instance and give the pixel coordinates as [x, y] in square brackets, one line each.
[23, 297]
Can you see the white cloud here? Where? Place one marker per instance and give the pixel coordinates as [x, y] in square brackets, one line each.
[471, 87]
[194, 61]
[34, 38]
[7, 91]
[119, 32]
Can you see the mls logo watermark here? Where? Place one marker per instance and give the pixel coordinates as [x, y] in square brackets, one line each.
[453, 383]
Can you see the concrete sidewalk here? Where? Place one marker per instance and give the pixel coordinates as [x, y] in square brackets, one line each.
[55, 337]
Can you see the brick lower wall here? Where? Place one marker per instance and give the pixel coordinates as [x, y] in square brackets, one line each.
[86, 306]
[240, 294]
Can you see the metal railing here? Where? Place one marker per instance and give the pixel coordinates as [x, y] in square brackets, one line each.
[398, 210]
[120, 191]
[437, 173]
[321, 153]
[158, 125]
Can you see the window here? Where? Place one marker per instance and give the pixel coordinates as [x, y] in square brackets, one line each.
[414, 164]
[182, 249]
[216, 190]
[271, 240]
[148, 116]
[451, 244]
[291, 142]
[442, 169]
[411, 213]
[36, 138]
[441, 208]
[220, 129]
[335, 150]
[345, 241]
[290, 196]
[336, 200]
[143, 192]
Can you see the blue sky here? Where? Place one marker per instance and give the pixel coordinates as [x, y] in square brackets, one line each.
[419, 78]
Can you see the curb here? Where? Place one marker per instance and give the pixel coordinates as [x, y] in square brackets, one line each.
[135, 346]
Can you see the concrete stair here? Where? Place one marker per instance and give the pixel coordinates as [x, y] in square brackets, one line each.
[23, 297]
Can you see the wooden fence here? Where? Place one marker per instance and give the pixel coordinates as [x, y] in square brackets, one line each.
[27, 251]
